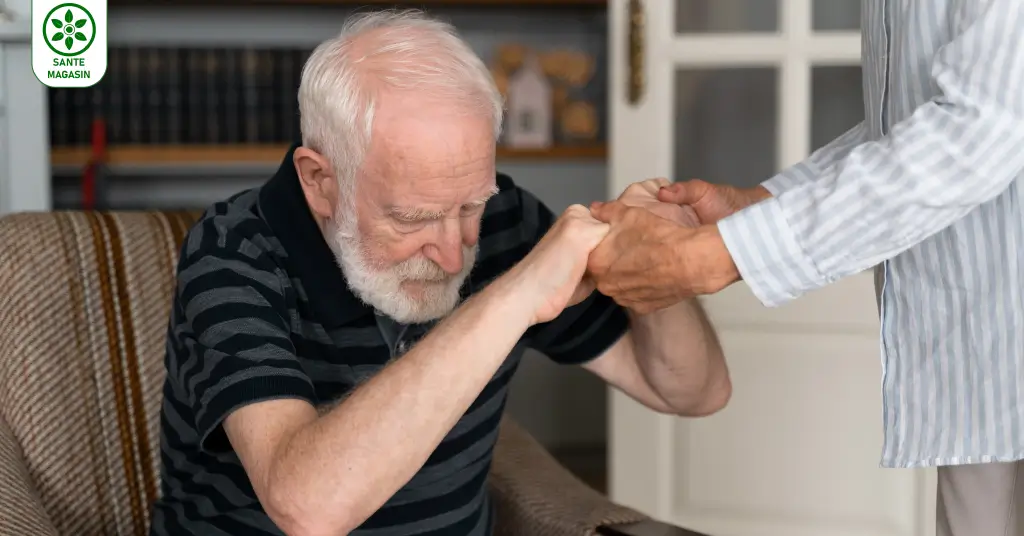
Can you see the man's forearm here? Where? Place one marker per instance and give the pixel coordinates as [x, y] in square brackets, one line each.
[346, 464]
[680, 357]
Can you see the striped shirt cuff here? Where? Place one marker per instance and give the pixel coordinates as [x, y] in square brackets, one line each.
[767, 254]
[790, 177]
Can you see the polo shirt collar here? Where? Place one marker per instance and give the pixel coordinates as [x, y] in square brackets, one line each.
[283, 206]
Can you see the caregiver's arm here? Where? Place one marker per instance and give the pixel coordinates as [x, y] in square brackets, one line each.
[810, 168]
[959, 150]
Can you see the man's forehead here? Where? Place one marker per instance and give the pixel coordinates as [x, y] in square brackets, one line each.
[426, 158]
[475, 176]
[424, 204]
[451, 147]
[415, 127]
[433, 161]
[449, 150]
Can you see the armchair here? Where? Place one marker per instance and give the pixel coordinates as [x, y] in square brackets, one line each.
[83, 304]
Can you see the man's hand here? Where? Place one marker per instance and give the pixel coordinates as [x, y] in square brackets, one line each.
[644, 194]
[711, 202]
[647, 262]
[551, 276]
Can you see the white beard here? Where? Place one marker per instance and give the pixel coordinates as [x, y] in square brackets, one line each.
[380, 286]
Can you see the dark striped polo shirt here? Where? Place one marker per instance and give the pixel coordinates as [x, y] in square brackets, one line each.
[262, 311]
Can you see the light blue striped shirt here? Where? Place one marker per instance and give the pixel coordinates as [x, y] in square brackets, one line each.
[929, 185]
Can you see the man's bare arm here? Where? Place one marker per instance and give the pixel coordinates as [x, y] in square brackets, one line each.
[670, 361]
[326, 475]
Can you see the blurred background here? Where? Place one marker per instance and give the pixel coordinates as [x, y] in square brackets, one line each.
[198, 102]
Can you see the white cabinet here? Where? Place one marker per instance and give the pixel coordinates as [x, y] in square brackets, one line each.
[24, 145]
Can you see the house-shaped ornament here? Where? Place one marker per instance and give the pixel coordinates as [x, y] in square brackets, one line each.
[530, 120]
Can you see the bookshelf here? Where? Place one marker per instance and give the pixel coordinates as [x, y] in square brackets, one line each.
[198, 98]
[169, 155]
[376, 3]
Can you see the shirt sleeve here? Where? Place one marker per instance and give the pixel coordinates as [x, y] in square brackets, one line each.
[959, 150]
[584, 331]
[233, 335]
[809, 169]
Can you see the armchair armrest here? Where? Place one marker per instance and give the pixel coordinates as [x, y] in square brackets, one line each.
[647, 527]
[535, 495]
[21, 510]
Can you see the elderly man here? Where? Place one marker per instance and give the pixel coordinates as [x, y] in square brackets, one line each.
[930, 185]
[342, 337]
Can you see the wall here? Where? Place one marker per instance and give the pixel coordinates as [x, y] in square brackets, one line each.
[24, 160]
[562, 406]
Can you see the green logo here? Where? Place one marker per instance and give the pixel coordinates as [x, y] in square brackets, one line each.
[69, 29]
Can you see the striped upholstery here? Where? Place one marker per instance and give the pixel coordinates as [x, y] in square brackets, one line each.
[84, 300]
[82, 325]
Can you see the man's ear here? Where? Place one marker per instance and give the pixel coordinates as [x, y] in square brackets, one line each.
[318, 181]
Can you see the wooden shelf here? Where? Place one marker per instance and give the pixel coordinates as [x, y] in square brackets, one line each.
[356, 3]
[171, 155]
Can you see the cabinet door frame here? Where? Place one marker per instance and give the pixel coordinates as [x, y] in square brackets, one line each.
[794, 49]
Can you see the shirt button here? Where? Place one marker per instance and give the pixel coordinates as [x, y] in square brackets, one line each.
[401, 347]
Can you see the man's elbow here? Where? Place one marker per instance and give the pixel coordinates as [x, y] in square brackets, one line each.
[715, 399]
[711, 399]
[297, 514]
[295, 519]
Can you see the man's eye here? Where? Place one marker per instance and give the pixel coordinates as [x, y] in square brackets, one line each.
[410, 223]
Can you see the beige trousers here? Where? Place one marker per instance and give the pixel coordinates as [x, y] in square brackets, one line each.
[980, 500]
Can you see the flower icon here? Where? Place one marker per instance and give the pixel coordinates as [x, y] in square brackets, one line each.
[68, 30]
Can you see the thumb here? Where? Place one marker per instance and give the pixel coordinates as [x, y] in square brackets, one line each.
[606, 212]
[683, 193]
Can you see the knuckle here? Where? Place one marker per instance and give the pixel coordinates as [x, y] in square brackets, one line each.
[579, 221]
[575, 209]
[656, 183]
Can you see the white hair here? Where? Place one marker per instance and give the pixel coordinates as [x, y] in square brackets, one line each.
[385, 50]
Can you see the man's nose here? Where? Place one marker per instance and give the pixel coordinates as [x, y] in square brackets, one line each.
[447, 251]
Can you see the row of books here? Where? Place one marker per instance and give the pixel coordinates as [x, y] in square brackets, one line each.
[156, 96]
